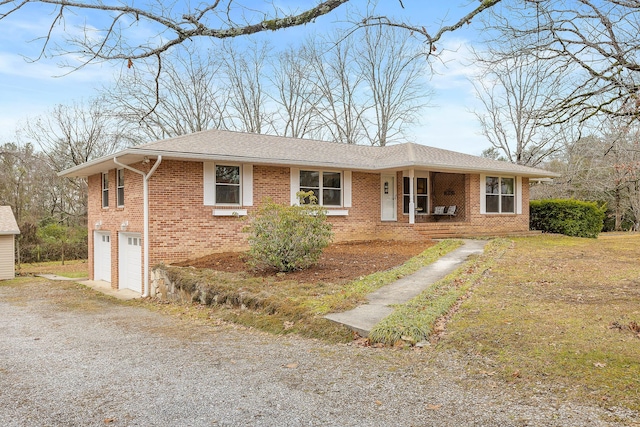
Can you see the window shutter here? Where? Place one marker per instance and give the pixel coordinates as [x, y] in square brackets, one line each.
[483, 194]
[209, 183]
[347, 189]
[519, 195]
[295, 185]
[247, 185]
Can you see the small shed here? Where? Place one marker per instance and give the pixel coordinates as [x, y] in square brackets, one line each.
[8, 231]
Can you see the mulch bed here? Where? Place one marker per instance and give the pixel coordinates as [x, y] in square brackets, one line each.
[340, 262]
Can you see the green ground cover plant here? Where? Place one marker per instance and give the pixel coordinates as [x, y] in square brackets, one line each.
[415, 320]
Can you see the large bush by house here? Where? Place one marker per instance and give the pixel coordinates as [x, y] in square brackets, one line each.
[567, 216]
[287, 238]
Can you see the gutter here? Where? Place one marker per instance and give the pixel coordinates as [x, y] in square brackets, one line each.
[145, 196]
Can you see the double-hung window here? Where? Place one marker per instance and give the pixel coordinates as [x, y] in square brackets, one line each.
[500, 194]
[326, 186]
[421, 194]
[105, 190]
[120, 187]
[227, 184]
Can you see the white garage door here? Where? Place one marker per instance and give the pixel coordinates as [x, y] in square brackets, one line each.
[130, 261]
[102, 256]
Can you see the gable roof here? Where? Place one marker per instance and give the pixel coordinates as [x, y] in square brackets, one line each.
[8, 224]
[221, 145]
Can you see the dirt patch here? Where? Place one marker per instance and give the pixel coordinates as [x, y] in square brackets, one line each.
[340, 262]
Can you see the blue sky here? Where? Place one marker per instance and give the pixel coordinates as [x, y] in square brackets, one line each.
[28, 89]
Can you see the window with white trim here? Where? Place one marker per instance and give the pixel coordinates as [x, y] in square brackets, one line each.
[105, 190]
[120, 187]
[421, 194]
[227, 185]
[326, 186]
[500, 194]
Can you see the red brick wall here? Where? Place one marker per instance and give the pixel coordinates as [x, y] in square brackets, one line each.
[181, 227]
[111, 218]
[364, 215]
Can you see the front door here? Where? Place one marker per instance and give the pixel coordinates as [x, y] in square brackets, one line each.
[388, 198]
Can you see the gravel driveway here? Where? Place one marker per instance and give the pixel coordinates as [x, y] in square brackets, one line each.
[70, 358]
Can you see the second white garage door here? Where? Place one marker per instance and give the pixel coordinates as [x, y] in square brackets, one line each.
[130, 261]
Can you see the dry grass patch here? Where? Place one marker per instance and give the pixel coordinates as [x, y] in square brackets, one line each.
[285, 304]
[74, 269]
[66, 295]
[561, 311]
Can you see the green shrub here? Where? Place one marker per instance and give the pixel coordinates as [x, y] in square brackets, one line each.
[567, 216]
[287, 238]
[51, 242]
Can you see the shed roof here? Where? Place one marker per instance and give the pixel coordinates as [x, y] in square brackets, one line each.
[8, 224]
[221, 145]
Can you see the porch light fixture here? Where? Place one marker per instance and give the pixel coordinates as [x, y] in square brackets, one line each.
[98, 225]
[124, 225]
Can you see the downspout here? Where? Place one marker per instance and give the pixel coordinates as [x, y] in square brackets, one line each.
[145, 215]
[412, 203]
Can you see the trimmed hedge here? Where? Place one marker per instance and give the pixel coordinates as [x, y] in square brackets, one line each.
[567, 216]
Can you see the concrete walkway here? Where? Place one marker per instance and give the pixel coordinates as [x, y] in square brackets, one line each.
[105, 288]
[363, 318]
[60, 278]
[97, 285]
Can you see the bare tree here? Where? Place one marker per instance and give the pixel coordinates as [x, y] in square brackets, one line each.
[189, 96]
[605, 167]
[514, 92]
[593, 42]
[338, 80]
[244, 70]
[71, 135]
[394, 72]
[111, 30]
[294, 93]
[25, 182]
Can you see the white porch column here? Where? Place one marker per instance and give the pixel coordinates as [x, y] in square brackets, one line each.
[412, 198]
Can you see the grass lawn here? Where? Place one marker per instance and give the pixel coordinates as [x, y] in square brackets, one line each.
[561, 311]
[74, 269]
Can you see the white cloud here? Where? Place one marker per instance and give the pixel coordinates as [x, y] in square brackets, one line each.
[453, 67]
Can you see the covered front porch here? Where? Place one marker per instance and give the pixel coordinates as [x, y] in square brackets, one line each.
[418, 196]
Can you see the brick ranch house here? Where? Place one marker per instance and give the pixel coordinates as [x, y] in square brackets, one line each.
[180, 198]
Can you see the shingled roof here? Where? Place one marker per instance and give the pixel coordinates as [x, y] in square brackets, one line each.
[8, 224]
[220, 145]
